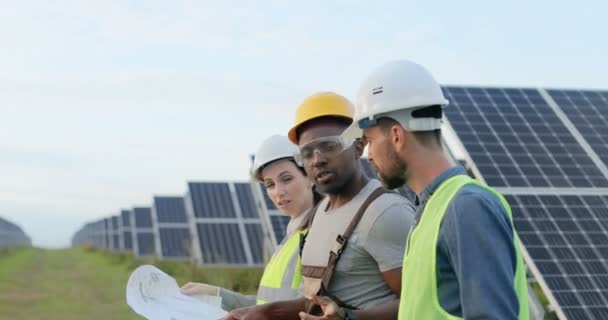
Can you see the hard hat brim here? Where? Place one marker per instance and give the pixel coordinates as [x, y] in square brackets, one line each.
[352, 132]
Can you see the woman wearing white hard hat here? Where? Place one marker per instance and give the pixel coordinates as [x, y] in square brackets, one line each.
[292, 193]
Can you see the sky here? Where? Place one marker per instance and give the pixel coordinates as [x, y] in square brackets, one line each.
[104, 104]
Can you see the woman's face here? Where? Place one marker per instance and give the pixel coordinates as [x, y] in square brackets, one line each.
[288, 188]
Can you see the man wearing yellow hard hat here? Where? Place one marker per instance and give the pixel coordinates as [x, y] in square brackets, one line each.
[353, 251]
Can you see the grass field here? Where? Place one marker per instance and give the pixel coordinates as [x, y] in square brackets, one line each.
[82, 283]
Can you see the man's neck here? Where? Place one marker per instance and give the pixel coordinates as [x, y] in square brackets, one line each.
[429, 167]
[350, 190]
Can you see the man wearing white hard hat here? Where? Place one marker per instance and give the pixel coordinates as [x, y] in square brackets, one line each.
[463, 258]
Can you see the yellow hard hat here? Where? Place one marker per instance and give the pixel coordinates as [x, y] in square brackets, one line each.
[323, 104]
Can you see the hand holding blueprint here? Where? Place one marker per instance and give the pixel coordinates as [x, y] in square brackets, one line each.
[156, 296]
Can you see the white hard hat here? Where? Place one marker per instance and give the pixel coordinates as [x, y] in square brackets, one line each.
[274, 148]
[395, 89]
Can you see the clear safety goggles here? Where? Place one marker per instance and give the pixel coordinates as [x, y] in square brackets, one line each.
[327, 147]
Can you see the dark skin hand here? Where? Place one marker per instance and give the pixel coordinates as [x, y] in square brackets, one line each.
[287, 310]
[389, 310]
[331, 311]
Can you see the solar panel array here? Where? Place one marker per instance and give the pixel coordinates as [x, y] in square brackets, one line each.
[545, 150]
[11, 235]
[223, 227]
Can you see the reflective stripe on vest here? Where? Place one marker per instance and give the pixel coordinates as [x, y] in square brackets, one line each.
[283, 274]
[419, 299]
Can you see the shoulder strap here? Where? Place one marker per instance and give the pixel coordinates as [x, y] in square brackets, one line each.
[353, 224]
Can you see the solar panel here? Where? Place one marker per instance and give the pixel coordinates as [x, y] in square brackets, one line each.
[519, 143]
[211, 200]
[125, 216]
[170, 209]
[175, 242]
[145, 244]
[143, 217]
[143, 232]
[116, 242]
[172, 226]
[279, 225]
[128, 239]
[224, 214]
[221, 243]
[566, 236]
[108, 233]
[588, 111]
[255, 238]
[114, 221]
[245, 199]
[116, 234]
[516, 139]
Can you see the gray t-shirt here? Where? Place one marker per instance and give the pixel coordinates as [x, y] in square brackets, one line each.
[377, 245]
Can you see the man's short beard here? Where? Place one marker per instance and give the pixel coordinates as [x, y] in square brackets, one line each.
[395, 175]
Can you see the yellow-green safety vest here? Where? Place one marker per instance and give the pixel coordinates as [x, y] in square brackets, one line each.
[419, 299]
[283, 274]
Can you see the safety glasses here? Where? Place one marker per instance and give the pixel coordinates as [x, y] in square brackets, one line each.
[327, 147]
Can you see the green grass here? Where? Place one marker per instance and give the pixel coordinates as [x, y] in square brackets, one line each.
[244, 280]
[84, 283]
